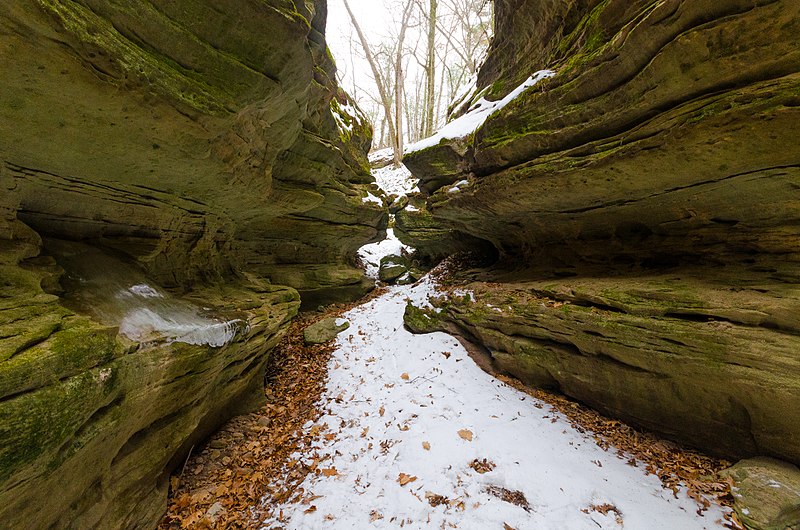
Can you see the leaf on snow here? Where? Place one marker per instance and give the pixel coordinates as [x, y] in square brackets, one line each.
[465, 434]
[404, 479]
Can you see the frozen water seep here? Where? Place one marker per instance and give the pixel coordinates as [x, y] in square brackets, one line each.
[141, 289]
[145, 324]
[148, 315]
[477, 115]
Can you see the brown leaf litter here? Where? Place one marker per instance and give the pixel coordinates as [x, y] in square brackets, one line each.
[245, 469]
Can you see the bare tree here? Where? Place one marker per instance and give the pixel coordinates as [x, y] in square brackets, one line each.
[391, 95]
[430, 70]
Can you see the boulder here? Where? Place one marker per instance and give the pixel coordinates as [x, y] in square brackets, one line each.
[673, 353]
[220, 151]
[393, 267]
[91, 420]
[397, 203]
[657, 140]
[766, 493]
[324, 330]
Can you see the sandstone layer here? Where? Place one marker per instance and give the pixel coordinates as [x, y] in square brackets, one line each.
[204, 149]
[645, 202]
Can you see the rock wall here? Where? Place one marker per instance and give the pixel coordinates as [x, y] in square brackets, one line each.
[204, 148]
[197, 139]
[644, 201]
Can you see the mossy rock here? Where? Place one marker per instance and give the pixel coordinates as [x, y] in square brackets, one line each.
[323, 331]
[397, 203]
[766, 493]
[419, 320]
[393, 267]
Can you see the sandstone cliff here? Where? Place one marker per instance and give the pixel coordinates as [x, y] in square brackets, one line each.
[644, 202]
[201, 147]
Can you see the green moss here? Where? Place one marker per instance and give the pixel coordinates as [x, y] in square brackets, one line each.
[38, 423]
[155, 69]
[420, 320]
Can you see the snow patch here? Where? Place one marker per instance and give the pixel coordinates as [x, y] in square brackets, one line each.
[395, 180]
[477, 115]
[371, 254]
[457, 186]
[412, 413]
[372, 198]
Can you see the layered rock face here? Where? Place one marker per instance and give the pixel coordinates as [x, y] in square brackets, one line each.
[182, 161]
[658, 171]
[197, 139]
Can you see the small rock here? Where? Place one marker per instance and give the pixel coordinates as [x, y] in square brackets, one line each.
[324, 330]
[405, 279]
[216, 443]
[766, 493]
[397, 203]
[215, 511]
[392, 267]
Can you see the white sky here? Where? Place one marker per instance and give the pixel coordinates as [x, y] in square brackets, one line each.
[375, 19]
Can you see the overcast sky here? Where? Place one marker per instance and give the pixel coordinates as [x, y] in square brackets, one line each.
[375, 18]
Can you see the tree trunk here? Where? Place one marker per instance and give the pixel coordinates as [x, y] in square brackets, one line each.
[384, 94]
[398, 73]
[430, 71]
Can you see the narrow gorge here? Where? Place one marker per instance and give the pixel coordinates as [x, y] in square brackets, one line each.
[618, 200]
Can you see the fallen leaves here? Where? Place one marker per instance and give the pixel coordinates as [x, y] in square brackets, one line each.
[426, 446]
[672, 464]
[404, 376]
[329, 472]
[465, 434]
[224, 485]
[605, 509]
[514, 497]
[404, 479]
[482, 466]
[434, 499]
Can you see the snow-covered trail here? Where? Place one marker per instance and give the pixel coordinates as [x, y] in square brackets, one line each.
[411, 412]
